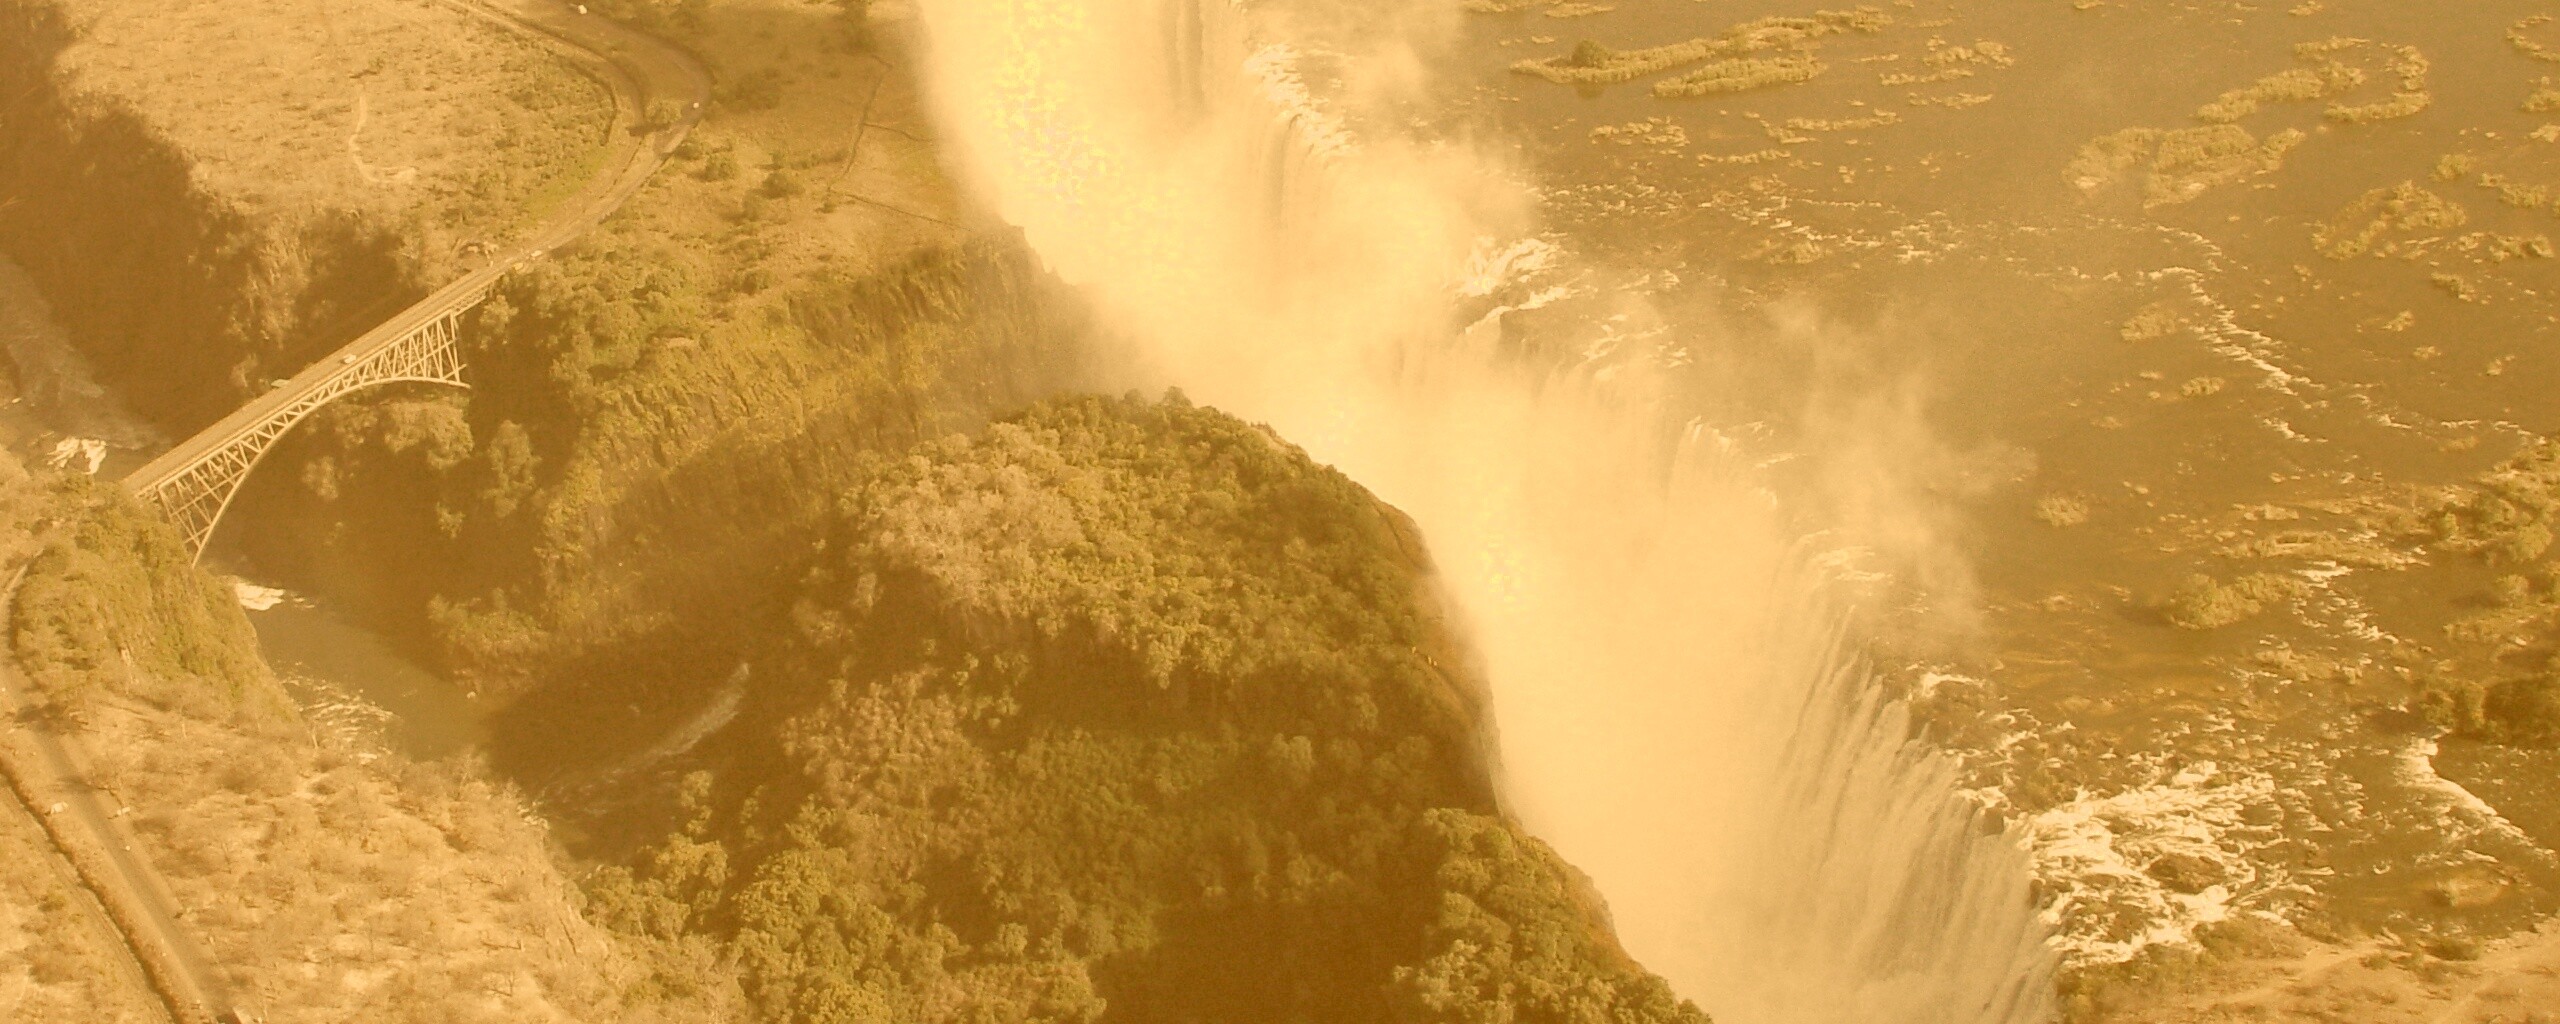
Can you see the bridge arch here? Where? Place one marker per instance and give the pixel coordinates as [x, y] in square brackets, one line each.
[192, 484]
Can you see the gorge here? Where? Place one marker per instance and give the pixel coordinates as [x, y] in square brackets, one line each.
[1675, 709]
[1500, 512]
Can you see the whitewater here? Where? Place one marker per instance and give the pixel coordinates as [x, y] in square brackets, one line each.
[1679, 711]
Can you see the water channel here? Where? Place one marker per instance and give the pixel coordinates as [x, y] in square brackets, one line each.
[348, 679]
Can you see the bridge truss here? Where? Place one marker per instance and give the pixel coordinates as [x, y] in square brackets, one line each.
[193, 483]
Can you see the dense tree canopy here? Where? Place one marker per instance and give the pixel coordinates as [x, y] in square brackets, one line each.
[1120, 711]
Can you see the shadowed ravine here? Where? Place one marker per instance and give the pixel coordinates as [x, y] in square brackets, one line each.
[1678, 714]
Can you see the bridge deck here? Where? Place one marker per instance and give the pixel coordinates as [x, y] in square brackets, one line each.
[346, 361]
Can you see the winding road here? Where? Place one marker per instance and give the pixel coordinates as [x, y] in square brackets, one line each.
[644, 75]
[92, 837]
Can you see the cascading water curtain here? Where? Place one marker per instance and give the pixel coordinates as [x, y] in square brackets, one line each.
[1676, 714]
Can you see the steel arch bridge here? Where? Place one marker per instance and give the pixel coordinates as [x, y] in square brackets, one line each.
[193, 484]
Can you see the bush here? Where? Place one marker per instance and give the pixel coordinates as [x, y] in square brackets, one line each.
[2453, 705]
[114, 601]
[2202, 603]
[2507, 515]
[1511, 941]
[720, 166]
[2062, 510]
[760, 89]
[855, 16]
[661, 113]
[2522, 712]
[2453, 947]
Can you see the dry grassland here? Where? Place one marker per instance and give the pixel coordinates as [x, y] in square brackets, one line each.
[404, 108]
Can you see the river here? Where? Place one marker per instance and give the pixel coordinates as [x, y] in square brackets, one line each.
[1943, 319]
[349, 680]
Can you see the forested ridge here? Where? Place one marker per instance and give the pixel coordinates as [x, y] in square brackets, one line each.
[1120, 710]
[1110, 709]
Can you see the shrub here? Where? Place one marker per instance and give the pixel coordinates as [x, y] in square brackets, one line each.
[760, 89]
[661, 113]
[2062, 510]
[2453, 705]
[720, 166]
[2522, 712]
[115, 601]
[2199, 602]
[2151, 322]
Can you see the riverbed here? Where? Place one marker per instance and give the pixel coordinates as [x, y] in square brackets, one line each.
[2033, 394]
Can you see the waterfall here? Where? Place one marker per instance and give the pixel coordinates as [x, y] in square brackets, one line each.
[1679, 713]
